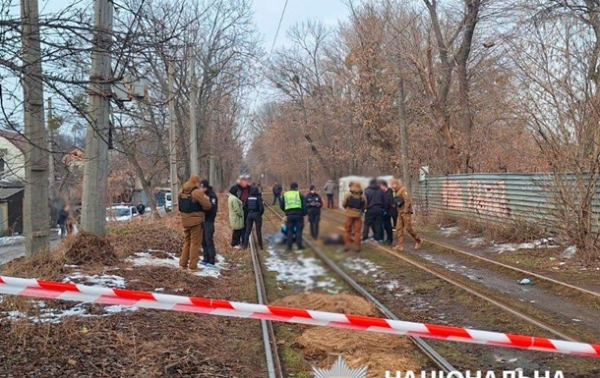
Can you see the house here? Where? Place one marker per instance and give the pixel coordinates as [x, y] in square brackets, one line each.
[12, 156]
[11, 208]
[74, 158]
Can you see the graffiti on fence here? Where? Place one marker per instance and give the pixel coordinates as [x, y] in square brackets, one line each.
[482, 198]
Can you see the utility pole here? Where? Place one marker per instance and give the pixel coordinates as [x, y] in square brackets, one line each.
[403, 129]
[36, 212]
[194, 168]
[95, 174]
[172, 141]
[51, 172]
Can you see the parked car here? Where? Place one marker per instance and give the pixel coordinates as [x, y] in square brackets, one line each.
[121, 213]
[168, 202]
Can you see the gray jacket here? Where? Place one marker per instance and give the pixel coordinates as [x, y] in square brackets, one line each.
[329, 187]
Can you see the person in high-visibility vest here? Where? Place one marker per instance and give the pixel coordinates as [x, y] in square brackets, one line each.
[294, 205]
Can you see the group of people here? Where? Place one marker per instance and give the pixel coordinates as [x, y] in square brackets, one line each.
[385, 210]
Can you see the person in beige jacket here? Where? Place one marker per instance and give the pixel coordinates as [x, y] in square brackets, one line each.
[193, 202]
[403, 203]
[355, 204]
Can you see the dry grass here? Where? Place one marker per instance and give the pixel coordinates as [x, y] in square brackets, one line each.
[147, 234]
[512, 232]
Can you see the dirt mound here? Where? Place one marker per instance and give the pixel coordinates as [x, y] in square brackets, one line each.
[87, 248]
[147, 234]
[380, 352]
[344, 303]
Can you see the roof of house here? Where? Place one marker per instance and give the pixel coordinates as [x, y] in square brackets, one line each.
[17, 139]
[6, 193]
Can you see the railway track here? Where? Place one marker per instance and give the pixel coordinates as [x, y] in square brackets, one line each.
[450, 277]
[595, 295]
[440, 362]
[274, 368]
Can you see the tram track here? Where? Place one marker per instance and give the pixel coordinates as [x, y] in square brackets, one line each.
[580, 290]
[440, 362]
[274, 367]
[458, 281]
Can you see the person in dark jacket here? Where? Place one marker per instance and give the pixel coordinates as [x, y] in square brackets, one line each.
[63, 217]
[277, 189]
[375, 203]
[294, 206]
[314, 203]
[141, 208]
[255, 209]
[208, 239]
[388, 210]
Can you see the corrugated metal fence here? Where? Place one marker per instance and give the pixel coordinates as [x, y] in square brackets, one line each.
[509, 198]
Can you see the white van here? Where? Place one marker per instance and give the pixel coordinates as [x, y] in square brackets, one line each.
[168, 202]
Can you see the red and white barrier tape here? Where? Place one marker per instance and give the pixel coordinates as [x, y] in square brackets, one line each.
[101, 295]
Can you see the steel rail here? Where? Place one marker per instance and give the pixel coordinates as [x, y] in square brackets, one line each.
[439, 361]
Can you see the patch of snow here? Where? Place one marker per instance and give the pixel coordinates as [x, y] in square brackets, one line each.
[449, 231]
[569, 252]
[512, 247]
[362, 265]
[54, 316]
[10, 240]
[71, 266]
[118, 309]
[300, 270]
[476, 242]
[150, 259]
[97, 280]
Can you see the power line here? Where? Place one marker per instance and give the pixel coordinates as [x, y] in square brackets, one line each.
[278, 26]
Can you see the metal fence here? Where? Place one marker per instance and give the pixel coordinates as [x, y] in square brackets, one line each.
[509, 198]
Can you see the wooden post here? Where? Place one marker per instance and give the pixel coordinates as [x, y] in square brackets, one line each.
[36, 210]
[95, 176]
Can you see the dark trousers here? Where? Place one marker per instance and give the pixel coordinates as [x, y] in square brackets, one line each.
[314, 217]
[236, 237]
[277, 198]
[330, 201]
[386, 225]
[298, 222]
[373, 222]
[394, 216]
[253, 218]
[208, 243]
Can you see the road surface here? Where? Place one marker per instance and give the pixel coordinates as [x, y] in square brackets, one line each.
[16, 250]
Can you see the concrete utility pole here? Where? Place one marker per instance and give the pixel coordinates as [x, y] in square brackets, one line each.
[95, 180]
[172, 141]
[36, 212]
[194, 166]
[51, 171]
[403, 131]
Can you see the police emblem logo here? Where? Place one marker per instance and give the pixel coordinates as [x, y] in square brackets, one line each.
[341, 370]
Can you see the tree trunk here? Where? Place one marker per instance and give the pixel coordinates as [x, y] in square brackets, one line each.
[36, 213]
[95, 178]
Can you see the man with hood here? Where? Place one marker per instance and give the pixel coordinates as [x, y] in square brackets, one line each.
[255, 209]
[294, 206]
[193, 202]
[405, 211]
[208, 241]
[314, 202]
[236, 217]
[329, 189]
[355, 204]
[277, 189]
[375, 203]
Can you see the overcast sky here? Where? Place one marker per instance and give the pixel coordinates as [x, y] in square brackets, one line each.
[268, 12]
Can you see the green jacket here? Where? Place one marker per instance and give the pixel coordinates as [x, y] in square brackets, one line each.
[236, 212]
